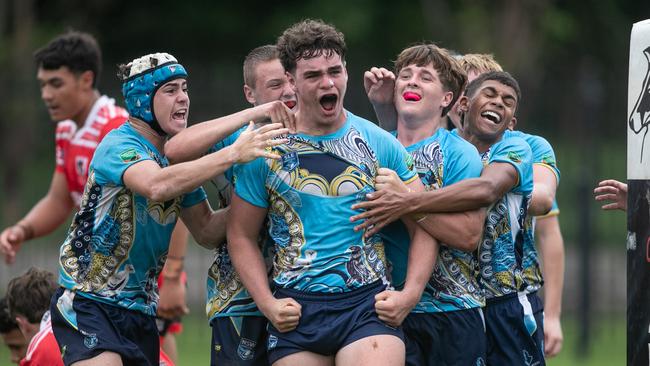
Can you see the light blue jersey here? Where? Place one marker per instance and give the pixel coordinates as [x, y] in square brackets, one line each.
[226, 295]
[501, 251]
[543, 155]
[440, 160]
[118, 241]
[309, 193]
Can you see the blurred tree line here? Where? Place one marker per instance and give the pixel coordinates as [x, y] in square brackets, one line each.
[570, 58]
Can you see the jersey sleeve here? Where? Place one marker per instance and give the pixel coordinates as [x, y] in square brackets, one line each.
[543, 154]
[464, 162]
[516, 152]
[114, 155]
[250, 182]
[196, 196]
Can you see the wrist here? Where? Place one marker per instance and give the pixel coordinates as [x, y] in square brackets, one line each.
[27, 228]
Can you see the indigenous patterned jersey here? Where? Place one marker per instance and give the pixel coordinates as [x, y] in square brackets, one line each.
[543, 155]
[75, 147]
[440, 160]
[43, 350]
[309, 193]
[501, 251]
[118, 241]
[226, 296]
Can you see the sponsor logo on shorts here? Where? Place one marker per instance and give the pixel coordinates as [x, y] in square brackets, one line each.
[217, 348]
[90, 341]
[480, 362]
[273, 341]
[246, 349]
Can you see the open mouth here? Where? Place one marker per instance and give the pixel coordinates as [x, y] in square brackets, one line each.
[290, 103]
[328, 101]
[491, 116]
[411, 97]
[180, 114]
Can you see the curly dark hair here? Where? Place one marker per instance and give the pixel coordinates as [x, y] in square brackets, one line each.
[308, 39]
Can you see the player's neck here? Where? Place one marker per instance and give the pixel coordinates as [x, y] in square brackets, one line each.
[481, 144]
[411, 130]
[89, 103]
[145, 130]
[310, 126]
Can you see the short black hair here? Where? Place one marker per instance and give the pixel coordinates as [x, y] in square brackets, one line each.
[500, 76]
[7, 323]
[78, 51]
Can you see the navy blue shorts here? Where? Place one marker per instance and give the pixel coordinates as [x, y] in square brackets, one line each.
[515, 330]
[445, 339]
[84, 328]
[329, 322]
[239, 340]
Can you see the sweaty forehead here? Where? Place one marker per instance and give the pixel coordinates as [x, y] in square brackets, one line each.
[321, 62]
[48, 74]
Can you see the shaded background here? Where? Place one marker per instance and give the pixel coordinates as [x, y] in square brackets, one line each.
[569, 57]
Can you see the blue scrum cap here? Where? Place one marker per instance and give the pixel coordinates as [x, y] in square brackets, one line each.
[147, 74]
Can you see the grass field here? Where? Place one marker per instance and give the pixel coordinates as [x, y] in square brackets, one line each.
[607, 348]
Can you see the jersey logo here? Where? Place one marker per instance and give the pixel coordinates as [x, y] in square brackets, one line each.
[81, 165]
[514, 156]
[129, 155]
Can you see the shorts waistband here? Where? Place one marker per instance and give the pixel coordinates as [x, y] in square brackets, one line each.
[319, 296]
[504, 298]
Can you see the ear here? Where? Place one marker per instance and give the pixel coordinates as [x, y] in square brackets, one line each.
[249, 94]
[463, 104]
[86, 79]
[446, 99]
[23, 324]
[512, 123]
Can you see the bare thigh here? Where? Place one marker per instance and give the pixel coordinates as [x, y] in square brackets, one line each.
[305, 359]
[382, 349]
[106, 358]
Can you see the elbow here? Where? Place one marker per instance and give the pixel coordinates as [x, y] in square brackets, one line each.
[470, 240]
[172, 152]
[157, 192]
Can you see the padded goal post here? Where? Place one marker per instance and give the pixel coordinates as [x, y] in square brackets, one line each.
[638, 214]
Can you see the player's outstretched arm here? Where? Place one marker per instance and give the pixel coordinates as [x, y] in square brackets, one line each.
[161, 184]
[244, 225]
[614, 192]
[195, 140]
[384, 207]
[47, 215]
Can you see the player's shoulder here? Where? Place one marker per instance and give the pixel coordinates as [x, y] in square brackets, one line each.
[65, 130]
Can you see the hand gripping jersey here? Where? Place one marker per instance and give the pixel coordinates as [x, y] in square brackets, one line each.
[75, 146]
[543, 155]
[118, 241]
[440, 160]
[501, 251]
[309, 193]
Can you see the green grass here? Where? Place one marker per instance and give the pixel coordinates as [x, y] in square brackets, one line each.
[607, 347]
